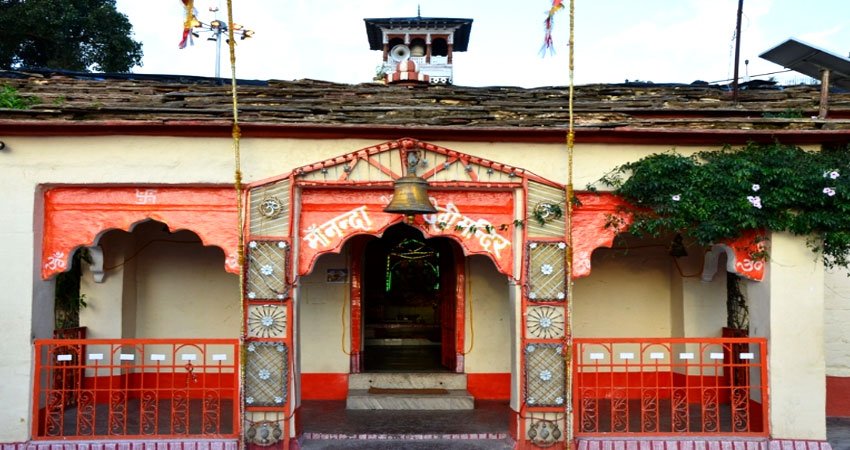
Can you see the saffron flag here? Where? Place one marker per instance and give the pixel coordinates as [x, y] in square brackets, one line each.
[557, 5]
[189, 22]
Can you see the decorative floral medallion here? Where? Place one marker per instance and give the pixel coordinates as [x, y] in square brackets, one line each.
[263, 434]
[544, 433]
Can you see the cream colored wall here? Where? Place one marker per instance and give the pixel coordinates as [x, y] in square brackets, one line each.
[626, 295]
[104, 315]
[324, 325]
[787, 308]
[488, 333]
[837, 322]
[701, 304]
[169, 305]
[159, 288]
[30, 162]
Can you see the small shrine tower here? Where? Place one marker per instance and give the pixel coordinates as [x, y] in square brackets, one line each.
[428, 42]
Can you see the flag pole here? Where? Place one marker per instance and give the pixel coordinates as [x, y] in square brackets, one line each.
[236, 134]
[568, 351]
[558, 5]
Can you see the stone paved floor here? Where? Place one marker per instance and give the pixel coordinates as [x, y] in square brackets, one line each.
[329, 426]
[331, 417]
[838, 432]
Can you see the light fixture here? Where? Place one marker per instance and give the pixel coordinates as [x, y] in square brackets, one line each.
[217, 28]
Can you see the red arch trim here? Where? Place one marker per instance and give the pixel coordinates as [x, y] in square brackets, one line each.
[76, 216]
[330, 216]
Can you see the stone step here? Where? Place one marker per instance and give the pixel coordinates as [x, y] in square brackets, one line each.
[407, 380]
[407, 442]
[455, 399]
[424, 442]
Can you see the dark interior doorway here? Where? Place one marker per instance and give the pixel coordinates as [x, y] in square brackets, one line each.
[409, 286]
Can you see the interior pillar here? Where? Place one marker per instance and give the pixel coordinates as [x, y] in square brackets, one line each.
[698, 308]
[787, 309]
[110, 313]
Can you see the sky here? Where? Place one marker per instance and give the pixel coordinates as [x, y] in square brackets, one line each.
[661, 41]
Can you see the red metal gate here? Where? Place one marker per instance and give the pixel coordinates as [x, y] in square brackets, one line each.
[136, 388]
[671, 386]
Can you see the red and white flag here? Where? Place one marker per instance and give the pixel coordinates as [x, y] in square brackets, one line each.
[189, 22]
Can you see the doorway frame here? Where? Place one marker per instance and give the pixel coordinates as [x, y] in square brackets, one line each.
[358, 247]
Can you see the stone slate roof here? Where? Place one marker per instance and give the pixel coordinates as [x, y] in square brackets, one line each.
[74, 98]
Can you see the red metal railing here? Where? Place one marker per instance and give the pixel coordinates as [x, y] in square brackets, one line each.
[670, 386]
[70, 379]
[135, 388]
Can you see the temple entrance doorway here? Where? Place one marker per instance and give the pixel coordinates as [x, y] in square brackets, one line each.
[409, 292]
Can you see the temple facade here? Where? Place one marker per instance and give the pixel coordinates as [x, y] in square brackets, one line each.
[212, 314]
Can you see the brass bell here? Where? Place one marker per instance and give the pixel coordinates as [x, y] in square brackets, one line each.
[410, 196]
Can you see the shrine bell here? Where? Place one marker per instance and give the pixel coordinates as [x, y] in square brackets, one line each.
[410, 196]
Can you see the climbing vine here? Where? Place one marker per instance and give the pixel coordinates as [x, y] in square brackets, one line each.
[714, 195]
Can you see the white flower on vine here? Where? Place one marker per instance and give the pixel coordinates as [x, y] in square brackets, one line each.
[267, 269]
[829, 191]
[545, 375]
[831, 175]
[676, 197]
[547, 269]
[755, 201]
[756, 188]
[264, 374]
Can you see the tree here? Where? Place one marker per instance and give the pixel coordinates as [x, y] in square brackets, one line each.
[80, 35]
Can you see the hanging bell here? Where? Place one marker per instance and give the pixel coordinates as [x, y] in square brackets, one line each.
[410, 196]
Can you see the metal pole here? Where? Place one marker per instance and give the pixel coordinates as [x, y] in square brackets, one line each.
[218, 52]
[737, 50]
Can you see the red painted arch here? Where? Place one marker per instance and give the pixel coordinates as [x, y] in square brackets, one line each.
[77, 216]
[473, 219]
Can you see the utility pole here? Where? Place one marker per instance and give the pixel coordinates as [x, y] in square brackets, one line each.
[737, 51]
